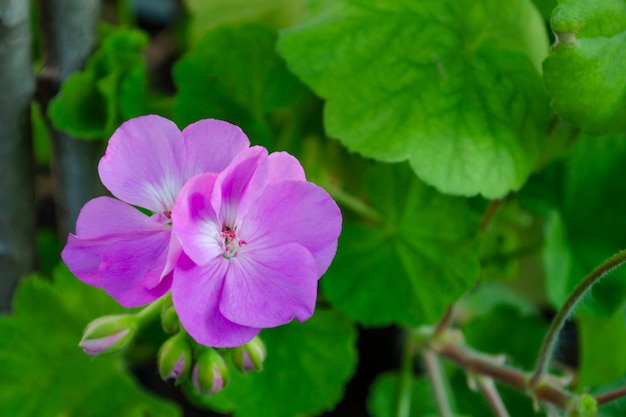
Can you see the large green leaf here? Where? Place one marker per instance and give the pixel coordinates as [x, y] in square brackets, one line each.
[585, 73]
[235, 74]
[597, 363]
[46, 374]
[207, 15]
[306, 369]
[588, 226]
[412, 264]
[111, 89]
[452, 86]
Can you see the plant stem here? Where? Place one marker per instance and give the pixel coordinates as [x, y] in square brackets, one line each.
[444, 323]
[611, 396]
[547, 349]
[489, 213]
[405, 383]
[153, 310]
[352, 202]
[490, 391]
[438, 382]
[481, 365]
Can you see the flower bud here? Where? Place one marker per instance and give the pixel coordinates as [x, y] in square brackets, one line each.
[250, 356]
[108, 335]
[210, 374]
[174, 358]
[169, 320]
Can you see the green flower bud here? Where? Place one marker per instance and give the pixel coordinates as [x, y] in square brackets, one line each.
[174, 358]
[210, 374]
[250, 356]
[169, 320]
[108, 335]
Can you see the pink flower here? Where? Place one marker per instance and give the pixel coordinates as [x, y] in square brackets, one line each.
[148, 160]
[256, 238]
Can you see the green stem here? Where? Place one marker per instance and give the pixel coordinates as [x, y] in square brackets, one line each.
[438, 382]
[352, 202]
[403, 400]
[153, 311]
[547, 349]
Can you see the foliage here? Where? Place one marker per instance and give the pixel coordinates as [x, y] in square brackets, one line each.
[41, 360]
[480, 176]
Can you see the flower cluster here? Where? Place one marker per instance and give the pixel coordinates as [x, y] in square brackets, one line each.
[237, 235]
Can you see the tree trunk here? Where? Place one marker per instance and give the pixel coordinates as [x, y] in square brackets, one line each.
[17, 199]
[68, 35]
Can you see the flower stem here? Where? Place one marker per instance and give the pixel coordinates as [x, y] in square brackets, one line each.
[405, 383]
[153, 310]
[352, 202]
[438, 382]
[490, 391]
[547, 349]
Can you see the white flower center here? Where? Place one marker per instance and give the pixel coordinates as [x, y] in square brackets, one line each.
[231, 243]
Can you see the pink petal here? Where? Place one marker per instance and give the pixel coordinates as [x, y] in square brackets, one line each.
[144, 163]
[105, 216]
[240, 184]
[284, 166]
[211, 145]
[298, 212]
[120, 249]
[129, 266]
[194, 220]
[269, 287]
[196, 293]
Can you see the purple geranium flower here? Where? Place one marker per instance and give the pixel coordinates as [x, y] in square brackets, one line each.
[148, 160]
[256, 238]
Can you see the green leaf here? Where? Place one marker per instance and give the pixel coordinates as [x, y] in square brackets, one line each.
[111, 89]
[410, 266]
[207, 15]
[585, 72]
[383, 396]
[507, 330]
[453, 86]
[588, 226]
[306, 369]
[597, 363]
[46, 374]
[235, 74]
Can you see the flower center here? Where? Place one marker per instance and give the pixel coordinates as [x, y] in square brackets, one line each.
[232, 244]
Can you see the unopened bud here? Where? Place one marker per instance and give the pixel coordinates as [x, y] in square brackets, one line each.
[169, 320]
[174, 358]
[108, 335]
[210, 374]
[250, 356]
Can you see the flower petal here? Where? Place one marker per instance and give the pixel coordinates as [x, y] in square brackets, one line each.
[299, 212]
[120, 249]
[196, 293]
[195, 222]
[144, 163]
[106, 216]
[211, 145]
[240, 184]
[269, 287]
[132, 265]
[284, 166]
